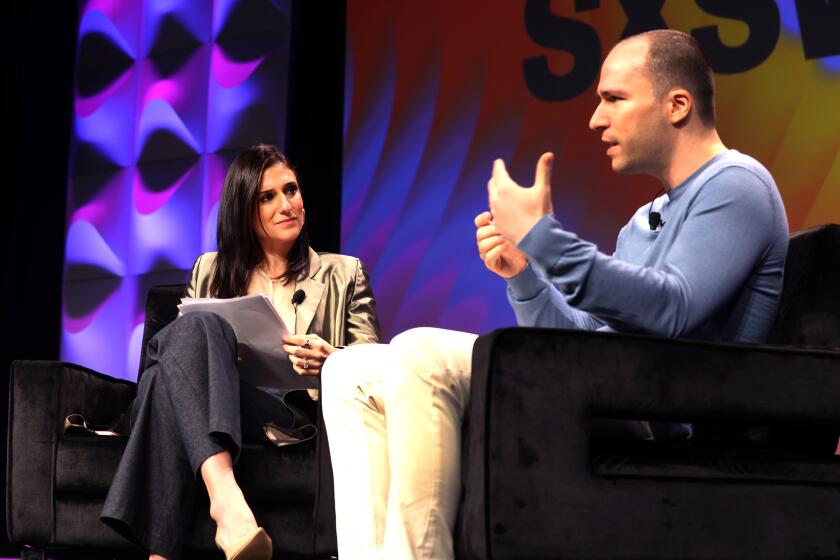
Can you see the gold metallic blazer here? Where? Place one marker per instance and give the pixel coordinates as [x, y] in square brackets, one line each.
[339, 305]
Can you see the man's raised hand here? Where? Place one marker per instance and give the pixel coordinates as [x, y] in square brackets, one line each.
[497, 252]
[517, 209]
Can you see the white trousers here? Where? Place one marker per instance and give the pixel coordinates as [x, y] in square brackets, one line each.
[393, 414]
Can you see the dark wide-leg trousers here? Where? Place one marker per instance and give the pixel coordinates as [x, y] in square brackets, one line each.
[190, 405]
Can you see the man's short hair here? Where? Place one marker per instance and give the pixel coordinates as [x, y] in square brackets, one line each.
[675, 59]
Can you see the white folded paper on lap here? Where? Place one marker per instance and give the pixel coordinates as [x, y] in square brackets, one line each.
[259, 333]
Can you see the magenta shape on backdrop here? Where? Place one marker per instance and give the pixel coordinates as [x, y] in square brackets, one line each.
[165, 90]
[228, 73]
[94, 212]
[86, 106]
[148, 202]
[110, 7]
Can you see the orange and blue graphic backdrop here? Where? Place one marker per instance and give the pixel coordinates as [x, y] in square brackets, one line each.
[436, 90]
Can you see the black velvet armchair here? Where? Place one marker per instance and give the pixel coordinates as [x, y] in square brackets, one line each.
[56, 482]
[759, 479]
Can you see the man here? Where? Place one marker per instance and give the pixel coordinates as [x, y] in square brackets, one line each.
[705, 260]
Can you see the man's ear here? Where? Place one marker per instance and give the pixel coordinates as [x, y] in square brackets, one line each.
[679, 105]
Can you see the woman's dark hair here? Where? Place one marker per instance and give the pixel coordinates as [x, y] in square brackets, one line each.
[239, 249]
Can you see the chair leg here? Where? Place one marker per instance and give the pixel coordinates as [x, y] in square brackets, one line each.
[33, 553]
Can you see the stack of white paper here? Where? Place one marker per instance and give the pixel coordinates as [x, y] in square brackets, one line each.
[259, 332]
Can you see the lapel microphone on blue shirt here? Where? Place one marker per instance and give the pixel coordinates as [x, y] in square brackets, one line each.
[297, 299]
[655, 218]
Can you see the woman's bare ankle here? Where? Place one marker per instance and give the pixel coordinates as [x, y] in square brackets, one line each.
[233, 517]
[228, 507]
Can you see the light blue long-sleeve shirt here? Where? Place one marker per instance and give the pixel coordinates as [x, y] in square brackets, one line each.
[713, 270]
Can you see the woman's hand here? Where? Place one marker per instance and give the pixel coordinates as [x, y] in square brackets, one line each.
[307, 352]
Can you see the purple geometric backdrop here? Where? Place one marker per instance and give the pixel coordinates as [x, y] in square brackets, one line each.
[166, 93]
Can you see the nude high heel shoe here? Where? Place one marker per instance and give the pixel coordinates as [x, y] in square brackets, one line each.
[256, 545]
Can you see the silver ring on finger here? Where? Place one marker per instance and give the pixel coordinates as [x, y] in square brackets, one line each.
[305, 364]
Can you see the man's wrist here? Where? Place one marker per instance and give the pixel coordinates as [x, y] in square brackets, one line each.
[525, 285]
[532, 242]
[528, 228]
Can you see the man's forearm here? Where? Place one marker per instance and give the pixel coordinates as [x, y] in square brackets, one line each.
[537, 303]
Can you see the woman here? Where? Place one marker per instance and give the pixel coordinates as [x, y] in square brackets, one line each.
[191, 410]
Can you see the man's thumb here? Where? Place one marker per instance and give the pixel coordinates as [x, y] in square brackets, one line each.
[499, 169]
[543, 175]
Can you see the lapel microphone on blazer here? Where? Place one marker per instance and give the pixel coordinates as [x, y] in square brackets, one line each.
[297, 299]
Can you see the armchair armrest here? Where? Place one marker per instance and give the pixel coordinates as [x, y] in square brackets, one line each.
[663, 378]
[535, 392]
[41, 395]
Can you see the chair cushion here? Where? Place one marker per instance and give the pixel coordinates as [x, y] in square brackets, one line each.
[85, 466]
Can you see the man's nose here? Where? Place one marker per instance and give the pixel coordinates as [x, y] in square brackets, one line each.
[597, 121]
